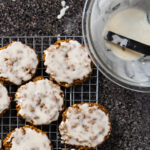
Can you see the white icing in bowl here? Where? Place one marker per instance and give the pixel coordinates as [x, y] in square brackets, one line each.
[129, 72]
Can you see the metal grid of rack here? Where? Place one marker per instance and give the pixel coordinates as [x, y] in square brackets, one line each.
[86, 92]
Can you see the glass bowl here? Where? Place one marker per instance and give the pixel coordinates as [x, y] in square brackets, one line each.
[130, 74]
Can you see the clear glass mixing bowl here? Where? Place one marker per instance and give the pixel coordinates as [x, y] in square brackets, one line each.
[135, 74]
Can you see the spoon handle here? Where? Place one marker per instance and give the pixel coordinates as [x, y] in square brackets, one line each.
[127, 43]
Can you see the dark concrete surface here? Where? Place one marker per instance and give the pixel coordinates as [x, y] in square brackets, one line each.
[129, 111]
[39, 17]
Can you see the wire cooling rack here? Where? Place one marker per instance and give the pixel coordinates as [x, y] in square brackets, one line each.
[86, 92]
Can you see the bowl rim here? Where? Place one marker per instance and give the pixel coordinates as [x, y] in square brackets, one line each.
[86, 16]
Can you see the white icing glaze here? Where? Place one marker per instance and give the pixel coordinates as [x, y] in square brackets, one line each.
[4, 98]
[116, 39]
[63, 10]
[18, 63]
[63, 3]
[40, 101]
[31, 140]
[67, 63]
[86, 126]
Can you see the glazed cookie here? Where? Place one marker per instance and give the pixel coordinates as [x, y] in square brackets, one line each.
[39, 102]
[85, 125]
[27, 137]
[4, 99]
[18, 63]
[67, 62]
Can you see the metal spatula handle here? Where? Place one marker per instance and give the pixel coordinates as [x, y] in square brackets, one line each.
[127, 43]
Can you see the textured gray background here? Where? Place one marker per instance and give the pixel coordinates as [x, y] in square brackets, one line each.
[129, 111]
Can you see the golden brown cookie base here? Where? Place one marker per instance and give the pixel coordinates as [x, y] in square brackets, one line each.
[75, 82]
[8, 145]
[64, 117]
[4, 111]
[22, 82]
[18, 107]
